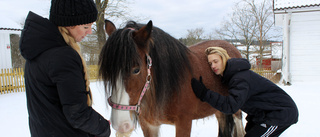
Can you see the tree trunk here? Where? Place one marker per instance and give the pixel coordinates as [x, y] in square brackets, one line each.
[101, 36]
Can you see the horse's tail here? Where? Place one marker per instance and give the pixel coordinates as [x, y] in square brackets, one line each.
[230, 125]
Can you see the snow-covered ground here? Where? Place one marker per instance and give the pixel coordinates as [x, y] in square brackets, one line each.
[14, 116]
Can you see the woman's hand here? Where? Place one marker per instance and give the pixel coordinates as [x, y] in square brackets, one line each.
[199, 89]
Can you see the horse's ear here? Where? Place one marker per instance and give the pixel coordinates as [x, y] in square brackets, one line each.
[110, 27]
[142, 36]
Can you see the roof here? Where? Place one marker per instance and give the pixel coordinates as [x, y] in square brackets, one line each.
[8, 24]
[294, 4]
[13, 29]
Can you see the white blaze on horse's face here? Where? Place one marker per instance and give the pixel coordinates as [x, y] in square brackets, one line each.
[121, 120]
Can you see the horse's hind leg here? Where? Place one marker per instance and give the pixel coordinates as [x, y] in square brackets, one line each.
[230, 125]
[226, 124]
[238, 129]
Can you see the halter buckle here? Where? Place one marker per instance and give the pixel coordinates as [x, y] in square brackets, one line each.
[137, 109]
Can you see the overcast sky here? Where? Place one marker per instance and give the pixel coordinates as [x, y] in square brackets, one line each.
[173, 16]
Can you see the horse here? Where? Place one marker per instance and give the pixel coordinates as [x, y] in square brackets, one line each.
[147, 75]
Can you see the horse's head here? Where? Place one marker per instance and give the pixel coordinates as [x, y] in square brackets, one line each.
[125, 69]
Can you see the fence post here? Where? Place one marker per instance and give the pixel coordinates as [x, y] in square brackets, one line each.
[11, 80]
[2, 82]
[7, 79]
[21, 77]
[15, 78]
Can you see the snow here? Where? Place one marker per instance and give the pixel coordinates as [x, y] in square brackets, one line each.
[14, 116]
[6, 22]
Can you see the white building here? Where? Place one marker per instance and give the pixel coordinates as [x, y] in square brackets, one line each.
[7, 27]
[300, 20]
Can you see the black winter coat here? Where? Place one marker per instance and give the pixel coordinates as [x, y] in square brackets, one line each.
[262, 100]
[55, 85]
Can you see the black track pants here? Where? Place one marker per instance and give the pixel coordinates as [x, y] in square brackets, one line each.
[263, 130]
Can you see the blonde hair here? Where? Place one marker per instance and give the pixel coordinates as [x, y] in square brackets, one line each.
[219, 51]
[72, 42]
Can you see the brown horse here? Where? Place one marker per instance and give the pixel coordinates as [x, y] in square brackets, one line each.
[147, 74]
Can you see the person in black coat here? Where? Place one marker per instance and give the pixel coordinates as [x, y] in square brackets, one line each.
[57, 85]
[270, 110]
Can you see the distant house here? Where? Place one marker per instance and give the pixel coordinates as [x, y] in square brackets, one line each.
[271, 58]
[272, 55]
[7, 28]
[300, 20]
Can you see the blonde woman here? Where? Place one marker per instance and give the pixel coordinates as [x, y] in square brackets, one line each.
[270, 110]
[57, 86]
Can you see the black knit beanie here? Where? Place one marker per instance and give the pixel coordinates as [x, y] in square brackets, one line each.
[72, 12]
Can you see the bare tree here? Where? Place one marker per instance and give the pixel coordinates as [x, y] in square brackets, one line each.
[110, 9]
[107, 9]
[240, 27]
[250, 21]
[101, 35]
[194, 36]
[262, 12]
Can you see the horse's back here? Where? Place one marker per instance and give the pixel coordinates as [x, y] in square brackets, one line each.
[202, 46]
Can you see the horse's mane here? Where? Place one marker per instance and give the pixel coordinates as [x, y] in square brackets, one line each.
[169, 60]
[117, 57]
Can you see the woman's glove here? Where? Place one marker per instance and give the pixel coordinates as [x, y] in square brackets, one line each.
[199, 88]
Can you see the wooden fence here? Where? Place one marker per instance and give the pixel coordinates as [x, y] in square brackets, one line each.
[12, 80]
[268, 73]
[93, 72]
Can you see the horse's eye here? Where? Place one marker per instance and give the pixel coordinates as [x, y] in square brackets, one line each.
[136, 71]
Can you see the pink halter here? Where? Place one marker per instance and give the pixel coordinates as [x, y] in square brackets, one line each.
[145, 88]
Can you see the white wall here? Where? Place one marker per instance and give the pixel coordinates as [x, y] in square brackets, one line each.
[5, 53]
[305, 46]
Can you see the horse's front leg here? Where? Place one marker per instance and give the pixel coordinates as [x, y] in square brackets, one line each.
[148, 129]
[183, 127]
